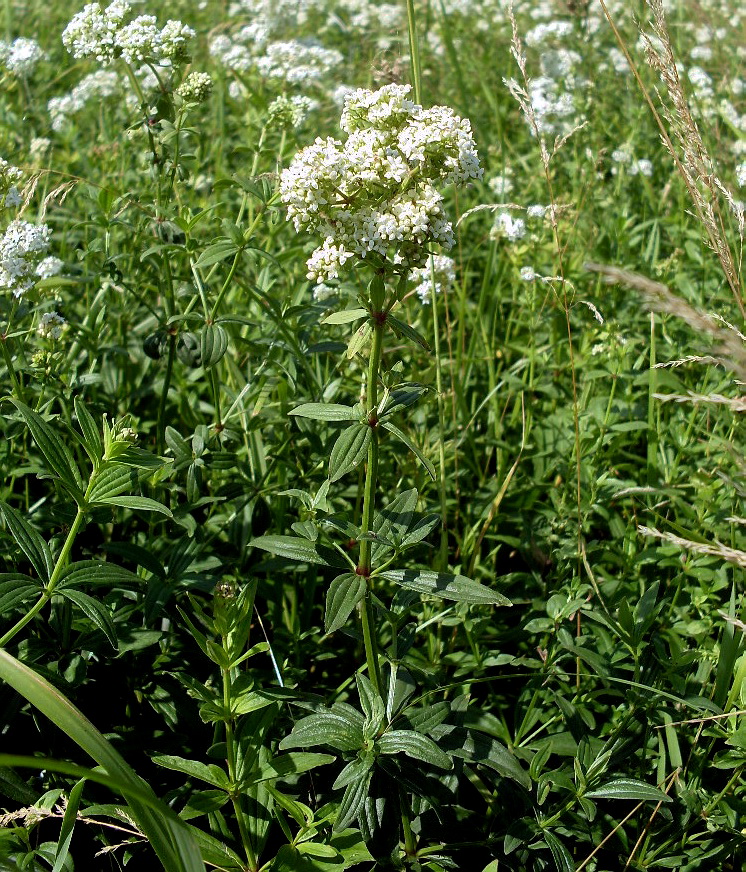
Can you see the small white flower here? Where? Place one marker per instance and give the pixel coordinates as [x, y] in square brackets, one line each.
[51, 326]
[528, 274]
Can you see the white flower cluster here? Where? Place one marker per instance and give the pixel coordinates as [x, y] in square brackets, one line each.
[22, 246]
[289, 111]
[9, 177]
[103, 35]
[196, 88]
[21, 56]
[51, 326]
[102, 83]
[741, 175]
[508, 227]
[297, 63]
[442, 268]
[290, 62]
[502, 184]
[50, 266]
[374, 195]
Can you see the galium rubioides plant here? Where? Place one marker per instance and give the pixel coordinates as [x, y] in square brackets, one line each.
[374, 200]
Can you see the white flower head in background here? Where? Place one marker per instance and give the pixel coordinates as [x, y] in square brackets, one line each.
[21, 56]
[433, 276]
[374, 196]
[10, 177]
[51, 326]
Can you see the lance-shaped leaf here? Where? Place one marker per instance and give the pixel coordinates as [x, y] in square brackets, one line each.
[394, 520]
[302, 550]
[15, 590]
[402, 329]
[344, 593]
[628, 788]
[325, 728]
[293, 763]
[402, 437]
[143, 504]
[213, 344]
[352, 801]
[92, 441]
[112, 480]
[359, 338]
[414, 745]
[447, 586]
[479, 748]
[349, 450]
[326, 412]
[211, 773]
[96, 572]
[345, 316]
[29, 541]
[58, 457]
[93, 610]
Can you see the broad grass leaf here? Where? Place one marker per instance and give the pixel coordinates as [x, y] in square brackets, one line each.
[170, 838]
[451, 587]
[344, 593]
[69, 819]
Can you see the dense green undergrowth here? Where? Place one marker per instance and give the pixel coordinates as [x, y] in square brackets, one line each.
[429, 564]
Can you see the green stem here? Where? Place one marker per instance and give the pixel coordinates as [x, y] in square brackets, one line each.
[414, 52]
[54, 578]
[410, 846]
[161, 425]
[369, 498]
[230, 753]
[443, 557]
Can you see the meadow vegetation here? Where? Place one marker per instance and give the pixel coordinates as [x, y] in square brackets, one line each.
[372, 486]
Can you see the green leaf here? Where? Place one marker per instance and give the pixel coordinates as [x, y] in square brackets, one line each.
[111, 480]
[359, 339]
[213, 344]
[394, 520]
[59, 458]
[96, 572]
[414, 745]
[420, 530]
[563, 862]
[69, 820]
[354, 771]
[447, 586]
[352, 801]
[296, 548]
[293, 763]
[91, 435]
[29, 541]
[324, 728]
[345, 316]
[326, 412]
[210, 773]
[349, 450]
[479, 748]
[169, 837]
[144, 504]
[344, 593]
[216, 252]
[387, 425]
[93, 610]
[628, 788]
[15, 590]
[402, 329]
